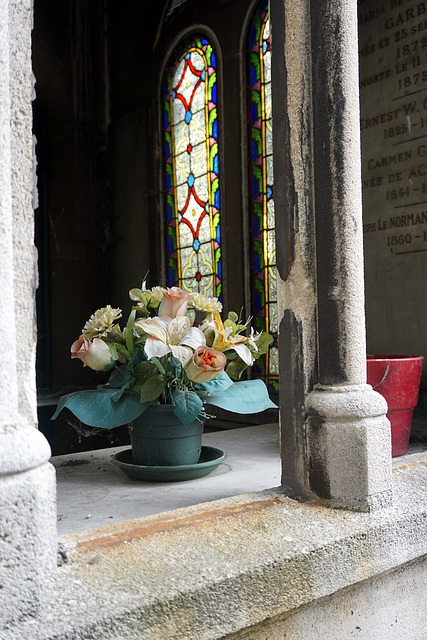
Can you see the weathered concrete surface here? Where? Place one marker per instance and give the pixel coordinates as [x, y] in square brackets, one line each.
[372, 610]
[295, 230]
[216, 569]
[22, 181]
[27, 481]
[348, 430]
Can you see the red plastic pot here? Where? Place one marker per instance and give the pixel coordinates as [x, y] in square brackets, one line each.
[397, 378]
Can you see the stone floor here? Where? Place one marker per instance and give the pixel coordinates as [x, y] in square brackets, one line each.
[94, 492]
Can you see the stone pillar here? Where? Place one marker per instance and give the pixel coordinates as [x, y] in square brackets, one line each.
[348, 434]
[27, 480]
[295, 250]
[335, 438]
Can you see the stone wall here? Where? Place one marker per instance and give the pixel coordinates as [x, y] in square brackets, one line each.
[391, 606]
[393, 100]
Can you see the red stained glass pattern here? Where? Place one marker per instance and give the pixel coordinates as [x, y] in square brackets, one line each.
[192, 169]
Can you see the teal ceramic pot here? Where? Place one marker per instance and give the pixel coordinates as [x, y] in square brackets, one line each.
[159, 438]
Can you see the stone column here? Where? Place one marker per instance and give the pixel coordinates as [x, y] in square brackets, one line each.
[27, 480]
[348, 434]
[335, 438]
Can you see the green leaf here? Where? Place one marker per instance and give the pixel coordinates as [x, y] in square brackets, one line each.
[236, 368]
[116, 379]
[129, 332]
[249, 396]
[186, 405]
[143, 371]
[119, 348]
[152, 388]
[159, 365]
[236, 328]
[263, 342]
[117, 395]
[96, 408]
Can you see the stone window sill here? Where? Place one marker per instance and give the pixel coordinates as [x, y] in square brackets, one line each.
[94, 492]
[213, 569]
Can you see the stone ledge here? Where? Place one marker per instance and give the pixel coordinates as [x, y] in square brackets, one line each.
[211, 570]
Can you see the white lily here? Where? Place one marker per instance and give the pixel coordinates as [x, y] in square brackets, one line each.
[170, 335]
[252, 338]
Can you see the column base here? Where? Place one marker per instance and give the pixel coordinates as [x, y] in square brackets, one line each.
[27, 523]
[349, 447]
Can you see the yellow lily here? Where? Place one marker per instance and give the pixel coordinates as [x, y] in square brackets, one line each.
[221, 338]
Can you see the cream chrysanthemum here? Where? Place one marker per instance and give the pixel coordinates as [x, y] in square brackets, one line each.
[199, 302]
[101, 322]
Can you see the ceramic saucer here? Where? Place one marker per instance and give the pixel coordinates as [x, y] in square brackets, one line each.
[210, 459]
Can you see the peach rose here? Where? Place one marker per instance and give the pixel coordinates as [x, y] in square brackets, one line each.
[174, 302]
[94, 353]
[205, 364]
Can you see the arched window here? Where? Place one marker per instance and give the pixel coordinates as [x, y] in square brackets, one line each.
[192, 168]
[261, 203]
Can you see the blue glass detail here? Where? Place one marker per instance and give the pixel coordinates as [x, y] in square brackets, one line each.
[254, 187]
[170, 244]
[171, 278]
[215, 129]
[218, 234]
[188, 116]
[219, 274]
[253, 75]
[167, 150]
[252, 38]
[213, 61]
[187, 57]
[257, 302]
[190, 180]
[217, 199]
[196, 244]
[179, 217]
[215, 164]
[203, 41]
[169, 212]
[255, 225]
[166, 119]
[256, 263]
[214, 93]
[203, 75]
[254, 150]
[269, 193]
[168, 181]
[264, 47]
[254, 112]
[173, 94]
[207, 207]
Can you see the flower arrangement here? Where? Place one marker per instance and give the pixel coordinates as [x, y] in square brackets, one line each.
[175, 349]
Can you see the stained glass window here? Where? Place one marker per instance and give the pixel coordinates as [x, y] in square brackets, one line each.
[262, 220]
[192, 169]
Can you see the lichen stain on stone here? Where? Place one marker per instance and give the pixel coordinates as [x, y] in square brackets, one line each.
[147, 528]
[409, 465]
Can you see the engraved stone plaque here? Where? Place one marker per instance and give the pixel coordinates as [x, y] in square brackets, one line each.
[393, 120]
